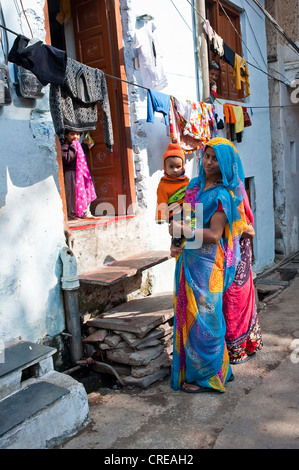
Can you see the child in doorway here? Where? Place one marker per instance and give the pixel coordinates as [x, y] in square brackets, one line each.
[79, 187]
[172, 186]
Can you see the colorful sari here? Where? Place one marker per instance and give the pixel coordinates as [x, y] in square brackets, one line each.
[203, 273]
[243, 332]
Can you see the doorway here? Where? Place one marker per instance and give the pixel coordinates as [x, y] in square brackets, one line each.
[92, 37]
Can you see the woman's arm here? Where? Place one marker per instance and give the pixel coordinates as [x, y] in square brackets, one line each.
[208, 235]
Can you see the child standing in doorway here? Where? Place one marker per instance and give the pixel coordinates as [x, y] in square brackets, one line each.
[79, 187]
[172, 186]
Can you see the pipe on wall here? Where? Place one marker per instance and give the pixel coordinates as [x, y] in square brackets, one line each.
[202, 48]
[70, 285]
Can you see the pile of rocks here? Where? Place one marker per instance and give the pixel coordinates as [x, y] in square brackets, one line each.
[135, 339]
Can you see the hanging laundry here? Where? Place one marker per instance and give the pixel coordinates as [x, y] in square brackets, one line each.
[183, 108]
[176, 126]
[74, 104]
[241, 74]
[193, 134]
[239, 115]
[208, 29]
[230, 120]
[217, 45]
[159, 102]
[46, 62]
[65, 13]
[229, 55]
[202, 122]
[150, 57]
[239, 124]
[219, 114]
[247, 121]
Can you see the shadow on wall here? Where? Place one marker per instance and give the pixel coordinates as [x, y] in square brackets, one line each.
[28, 153]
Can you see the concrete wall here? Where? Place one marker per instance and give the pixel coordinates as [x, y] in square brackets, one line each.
[284, 64]
[31, 217]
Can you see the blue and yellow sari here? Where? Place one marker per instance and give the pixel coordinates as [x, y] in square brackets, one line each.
[204, 272]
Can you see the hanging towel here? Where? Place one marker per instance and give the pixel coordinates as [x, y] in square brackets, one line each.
[229, 113]
[239, 124]
[219, 114]
[229, 55]
[241, 74]
[208, 29]
[46, 62]
[150, 57]
[65, 13]
[158, 102]
[73, 106]
[247, 121]
[217, 43]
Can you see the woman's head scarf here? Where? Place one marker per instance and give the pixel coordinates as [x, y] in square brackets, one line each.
[230, 166]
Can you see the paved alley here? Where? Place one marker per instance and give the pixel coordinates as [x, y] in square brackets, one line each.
[258, 411]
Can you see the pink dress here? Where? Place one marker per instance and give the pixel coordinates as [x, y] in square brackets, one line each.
[85, 192]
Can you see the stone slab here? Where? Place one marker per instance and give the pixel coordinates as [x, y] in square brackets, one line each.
[23, 354]
[128, 356]
[26, 403]
[144, 382]
[114, 272]
[138, 316]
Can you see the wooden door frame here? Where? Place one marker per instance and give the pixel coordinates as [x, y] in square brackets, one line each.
[126, 143]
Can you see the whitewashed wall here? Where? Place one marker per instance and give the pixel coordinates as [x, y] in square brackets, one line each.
[31, 217]
[150, 141]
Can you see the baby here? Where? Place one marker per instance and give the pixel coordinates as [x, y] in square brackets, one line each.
[172, 186]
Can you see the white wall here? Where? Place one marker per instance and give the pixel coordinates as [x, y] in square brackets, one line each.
[31, 217]
[150, 140]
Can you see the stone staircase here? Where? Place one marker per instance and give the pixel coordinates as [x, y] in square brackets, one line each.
[39, 407]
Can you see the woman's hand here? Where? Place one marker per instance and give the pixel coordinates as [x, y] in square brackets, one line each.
[179, 229]
[175, 250]
[249, 232]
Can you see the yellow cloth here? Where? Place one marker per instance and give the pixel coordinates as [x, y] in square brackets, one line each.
[241, 74]
[65, 14]
[239, 124]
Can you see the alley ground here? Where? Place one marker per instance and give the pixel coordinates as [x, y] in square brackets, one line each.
[260, 409]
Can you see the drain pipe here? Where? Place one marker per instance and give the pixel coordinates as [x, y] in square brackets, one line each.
[70, 285]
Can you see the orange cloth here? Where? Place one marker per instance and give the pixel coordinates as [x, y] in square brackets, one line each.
[229, 114]
[166, 188]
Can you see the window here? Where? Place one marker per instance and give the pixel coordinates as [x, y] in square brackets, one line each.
[223, 27]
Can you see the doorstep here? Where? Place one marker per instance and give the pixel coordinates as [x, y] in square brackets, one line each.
[128, 267]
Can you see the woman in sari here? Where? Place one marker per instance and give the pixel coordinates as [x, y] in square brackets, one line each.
[243, 332]
[205, 270]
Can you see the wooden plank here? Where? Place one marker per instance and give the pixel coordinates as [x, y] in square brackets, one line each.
[138, 316]
[114, 272]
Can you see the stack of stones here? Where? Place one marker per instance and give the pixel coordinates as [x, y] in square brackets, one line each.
[136, 344]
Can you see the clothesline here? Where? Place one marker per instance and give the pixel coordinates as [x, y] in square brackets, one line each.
[145, 88]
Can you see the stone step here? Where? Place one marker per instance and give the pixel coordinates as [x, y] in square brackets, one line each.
[138, 316]
[118, 270]
[21, 361]
[44, 413]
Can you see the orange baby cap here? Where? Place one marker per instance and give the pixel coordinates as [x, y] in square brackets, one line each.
[173, 150]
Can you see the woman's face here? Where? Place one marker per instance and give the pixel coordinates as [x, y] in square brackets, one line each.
[210, 164]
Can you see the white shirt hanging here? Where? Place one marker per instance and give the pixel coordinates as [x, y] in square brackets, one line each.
[150, 57]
